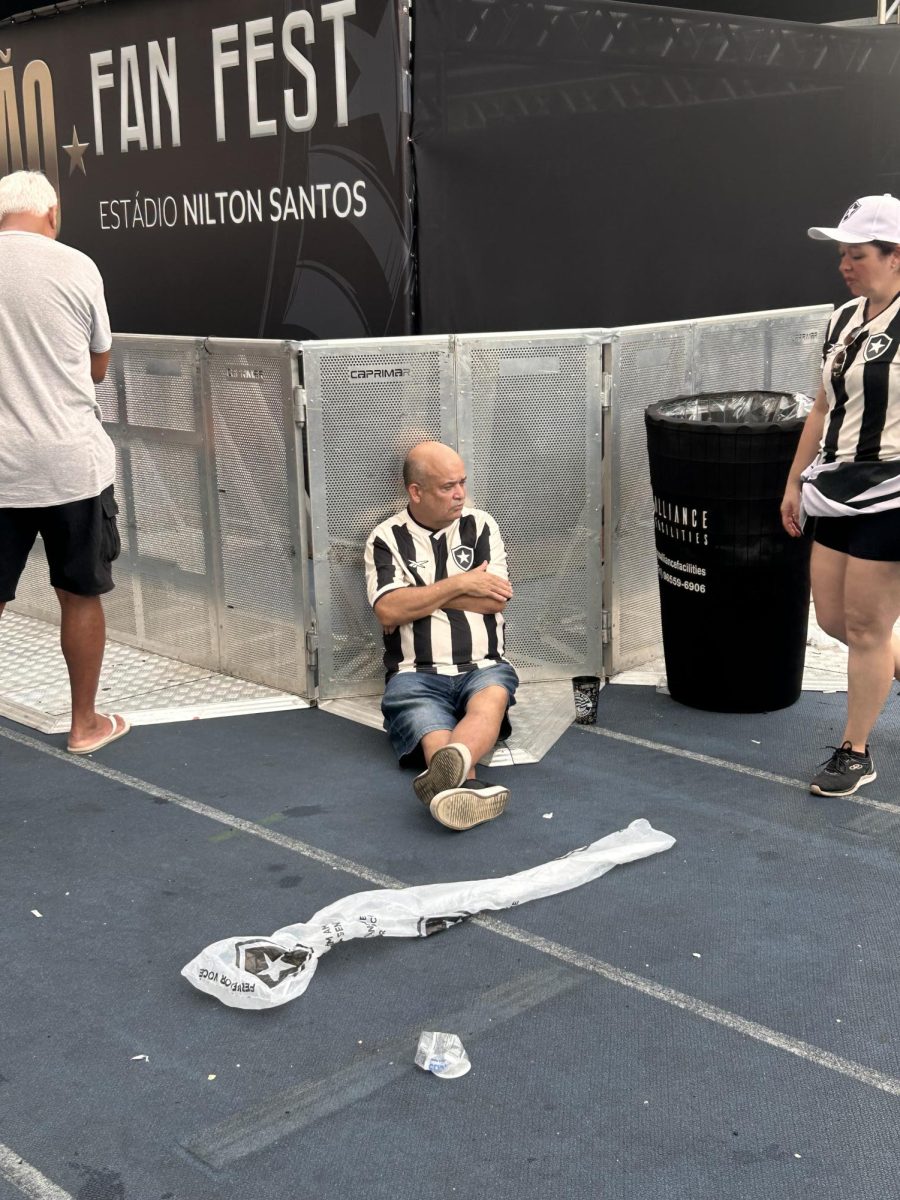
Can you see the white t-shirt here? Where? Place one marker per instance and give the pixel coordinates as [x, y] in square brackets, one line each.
[53, 448]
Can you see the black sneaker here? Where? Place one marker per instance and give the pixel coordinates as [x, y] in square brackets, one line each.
[468, 805]
[844, 772]
[448, 768]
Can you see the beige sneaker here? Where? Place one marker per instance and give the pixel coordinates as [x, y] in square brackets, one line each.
[448, 768]
[468, 805]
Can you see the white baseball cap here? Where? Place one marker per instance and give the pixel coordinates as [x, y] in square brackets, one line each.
[869, 219]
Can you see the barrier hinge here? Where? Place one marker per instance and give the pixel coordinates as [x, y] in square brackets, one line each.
[605, 626]
[312, 648]
[300, 405]
[604, 389]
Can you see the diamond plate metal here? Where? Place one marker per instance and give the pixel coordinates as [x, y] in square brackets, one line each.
[146, 688]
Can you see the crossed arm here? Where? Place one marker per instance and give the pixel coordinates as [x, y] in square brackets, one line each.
[477, 591]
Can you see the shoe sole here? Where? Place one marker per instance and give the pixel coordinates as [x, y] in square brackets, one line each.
[461, 808]
[815, 790]
[448, 768]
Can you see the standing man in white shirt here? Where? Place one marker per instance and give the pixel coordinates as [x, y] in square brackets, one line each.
[57, 463]
[437, 581]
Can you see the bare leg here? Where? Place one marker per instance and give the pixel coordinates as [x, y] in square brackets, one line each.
[829, 571]
[478, 729]
[435, 741]
[82, 638]
[871, 605]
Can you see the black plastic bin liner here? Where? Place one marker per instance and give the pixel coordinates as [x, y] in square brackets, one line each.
[734, 587]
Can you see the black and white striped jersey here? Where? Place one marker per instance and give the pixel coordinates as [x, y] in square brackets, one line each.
[401, 553]
[858, 465]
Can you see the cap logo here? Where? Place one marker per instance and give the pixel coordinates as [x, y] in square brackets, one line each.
[854, 207]
[877, 347]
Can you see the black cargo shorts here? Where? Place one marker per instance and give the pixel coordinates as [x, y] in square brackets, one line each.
[81, 540]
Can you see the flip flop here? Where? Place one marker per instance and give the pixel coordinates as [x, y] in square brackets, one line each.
[104, 741]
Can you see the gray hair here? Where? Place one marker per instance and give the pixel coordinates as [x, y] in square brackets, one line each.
[26, 192]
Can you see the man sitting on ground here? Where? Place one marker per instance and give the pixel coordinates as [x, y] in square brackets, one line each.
[437, 580]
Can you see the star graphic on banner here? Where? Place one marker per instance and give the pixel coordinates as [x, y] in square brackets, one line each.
[275, 968]
[75, 151]
[376, 91]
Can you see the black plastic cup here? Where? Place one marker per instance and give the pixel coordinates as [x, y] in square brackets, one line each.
[586, 689]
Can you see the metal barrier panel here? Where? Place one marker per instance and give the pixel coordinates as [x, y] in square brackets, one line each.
[262, 586]
[529, 419]
[152, 409]
[368, 402]
[207, 484]
[779, 351]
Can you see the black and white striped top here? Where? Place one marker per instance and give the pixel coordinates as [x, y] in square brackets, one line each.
[857, 469]
[401, 553]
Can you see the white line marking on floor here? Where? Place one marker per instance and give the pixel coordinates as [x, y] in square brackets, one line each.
[698, 1008]
[26, 1178]
[657, 991]
[738, 768]
[205, 810]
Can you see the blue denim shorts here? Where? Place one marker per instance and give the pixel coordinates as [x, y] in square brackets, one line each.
[416, 703]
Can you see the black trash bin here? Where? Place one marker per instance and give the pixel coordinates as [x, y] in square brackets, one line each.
[733, 586]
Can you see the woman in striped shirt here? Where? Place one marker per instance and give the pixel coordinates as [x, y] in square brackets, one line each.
[846, 474]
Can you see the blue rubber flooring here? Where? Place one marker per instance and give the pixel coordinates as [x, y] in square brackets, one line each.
[718, 1022]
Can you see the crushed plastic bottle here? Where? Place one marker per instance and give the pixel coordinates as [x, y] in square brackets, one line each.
[443, 1054]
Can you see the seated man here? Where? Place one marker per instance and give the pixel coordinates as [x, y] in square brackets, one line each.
[437, 580]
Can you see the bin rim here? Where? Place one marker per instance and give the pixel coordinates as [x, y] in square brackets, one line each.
[653, 414]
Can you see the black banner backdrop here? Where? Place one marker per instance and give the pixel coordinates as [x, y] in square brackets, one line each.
[584, 162]
[235, 167]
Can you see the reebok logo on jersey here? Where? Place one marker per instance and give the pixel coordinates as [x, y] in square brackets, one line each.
[877, 346]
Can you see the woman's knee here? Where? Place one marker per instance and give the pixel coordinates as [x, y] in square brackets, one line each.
[833, 624]
[867, 630]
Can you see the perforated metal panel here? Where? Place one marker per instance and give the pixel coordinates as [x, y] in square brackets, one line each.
[160, 385]
[774, 350]
[368, 403]
[213, 564]
[530, 433]
[264, 608]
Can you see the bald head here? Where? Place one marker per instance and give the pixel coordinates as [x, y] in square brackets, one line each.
[429, 458]
[435, 478]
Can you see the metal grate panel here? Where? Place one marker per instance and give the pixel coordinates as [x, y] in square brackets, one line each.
[160, 385]
[209, 484]
[167, 504]
[772, 350]
[529, 419]
[368, 403]
[264, 609]
[647, 364]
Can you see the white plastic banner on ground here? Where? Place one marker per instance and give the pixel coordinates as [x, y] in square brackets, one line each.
[263, 972]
